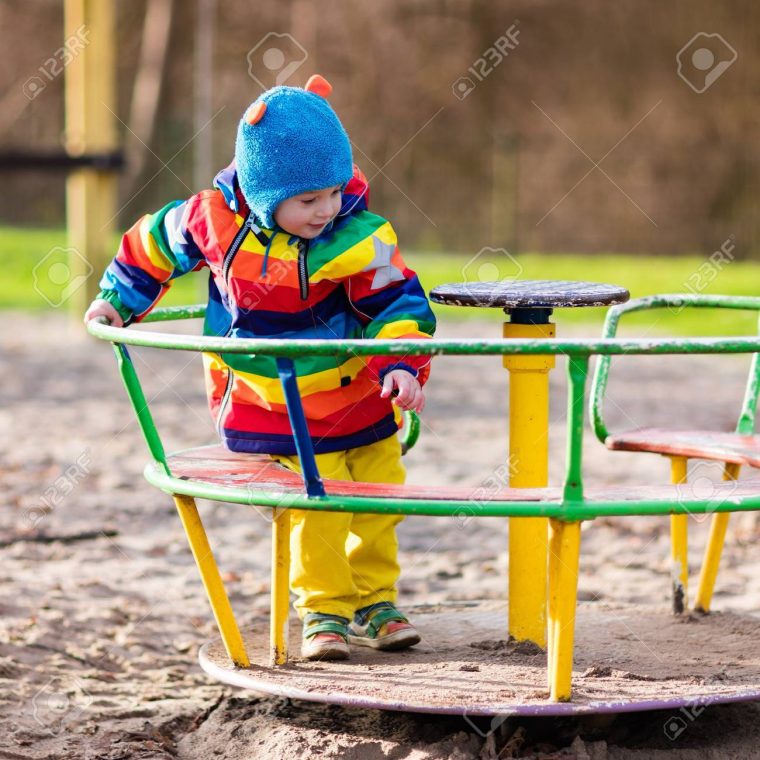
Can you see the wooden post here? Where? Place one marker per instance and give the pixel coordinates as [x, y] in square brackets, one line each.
[203, 67]
[146, 94]
[90, 128]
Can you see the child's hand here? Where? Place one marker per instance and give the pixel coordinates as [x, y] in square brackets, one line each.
[101, 308]
[410, 393]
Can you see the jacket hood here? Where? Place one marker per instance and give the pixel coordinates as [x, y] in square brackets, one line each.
[354, 198]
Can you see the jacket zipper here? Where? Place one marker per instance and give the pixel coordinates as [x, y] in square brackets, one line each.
[223, 404]
[303, 284]
[303, 270]
[237, 241]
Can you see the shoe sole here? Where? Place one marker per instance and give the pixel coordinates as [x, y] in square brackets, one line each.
[326, 652]
[389, 643]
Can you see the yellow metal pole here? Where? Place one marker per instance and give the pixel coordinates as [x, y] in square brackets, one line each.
[212, 581]
[90, 98]
[552, 601]
[280, 593]
[679, 542]
[564, 557]
[714, 549]
[528, 459]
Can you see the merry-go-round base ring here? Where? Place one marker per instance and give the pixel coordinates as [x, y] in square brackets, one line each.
[628, 658]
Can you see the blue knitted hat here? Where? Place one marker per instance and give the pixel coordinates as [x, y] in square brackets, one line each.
[290, 141]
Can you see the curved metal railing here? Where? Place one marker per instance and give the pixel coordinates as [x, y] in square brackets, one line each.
[568, 503]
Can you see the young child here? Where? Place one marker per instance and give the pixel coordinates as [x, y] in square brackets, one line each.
[293, 252]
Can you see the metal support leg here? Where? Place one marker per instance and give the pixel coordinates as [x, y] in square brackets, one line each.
[564, 557]
[280, 594]
[528, 467]
[714, 549]
[679, 542]
[552, 601]
[212, 581]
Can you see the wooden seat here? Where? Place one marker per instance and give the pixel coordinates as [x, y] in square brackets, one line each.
[692, 444]
[732, 449]
[216, 466]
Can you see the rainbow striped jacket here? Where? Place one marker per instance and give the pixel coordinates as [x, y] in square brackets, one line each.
[350, 282]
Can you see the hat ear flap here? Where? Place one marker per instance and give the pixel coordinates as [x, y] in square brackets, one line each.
[319, 86]
[255, 113]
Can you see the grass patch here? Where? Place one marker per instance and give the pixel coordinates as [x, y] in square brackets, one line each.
[21, 250]
[21, 286]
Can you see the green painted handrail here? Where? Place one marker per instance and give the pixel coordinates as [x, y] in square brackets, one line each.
[569, 505]
[676, 301]
[411, 431]
[140, 406]
[746, 424]
[171, 313]
[577, 372]
[419, 346]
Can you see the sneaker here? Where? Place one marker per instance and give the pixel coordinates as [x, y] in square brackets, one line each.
[382, 626]
[325, 637]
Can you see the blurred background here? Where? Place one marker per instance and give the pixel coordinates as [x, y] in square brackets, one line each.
[537, 139]
[610, 142]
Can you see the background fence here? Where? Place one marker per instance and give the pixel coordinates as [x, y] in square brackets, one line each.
[551, 125]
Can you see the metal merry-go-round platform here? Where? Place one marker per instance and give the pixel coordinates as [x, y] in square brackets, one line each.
[491, 676]
[539, 651]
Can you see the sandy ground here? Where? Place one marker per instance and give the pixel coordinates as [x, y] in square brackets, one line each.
[102, 613]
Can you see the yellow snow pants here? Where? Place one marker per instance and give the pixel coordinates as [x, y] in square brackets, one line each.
[341, 562]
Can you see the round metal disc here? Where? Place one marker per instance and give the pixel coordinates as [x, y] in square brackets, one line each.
[627, 658]
[515, 294]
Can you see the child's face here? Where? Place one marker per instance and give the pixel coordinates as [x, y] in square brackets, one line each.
[307, 214]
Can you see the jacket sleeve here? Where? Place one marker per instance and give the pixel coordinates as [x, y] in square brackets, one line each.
[388, 298]
[154, 251]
